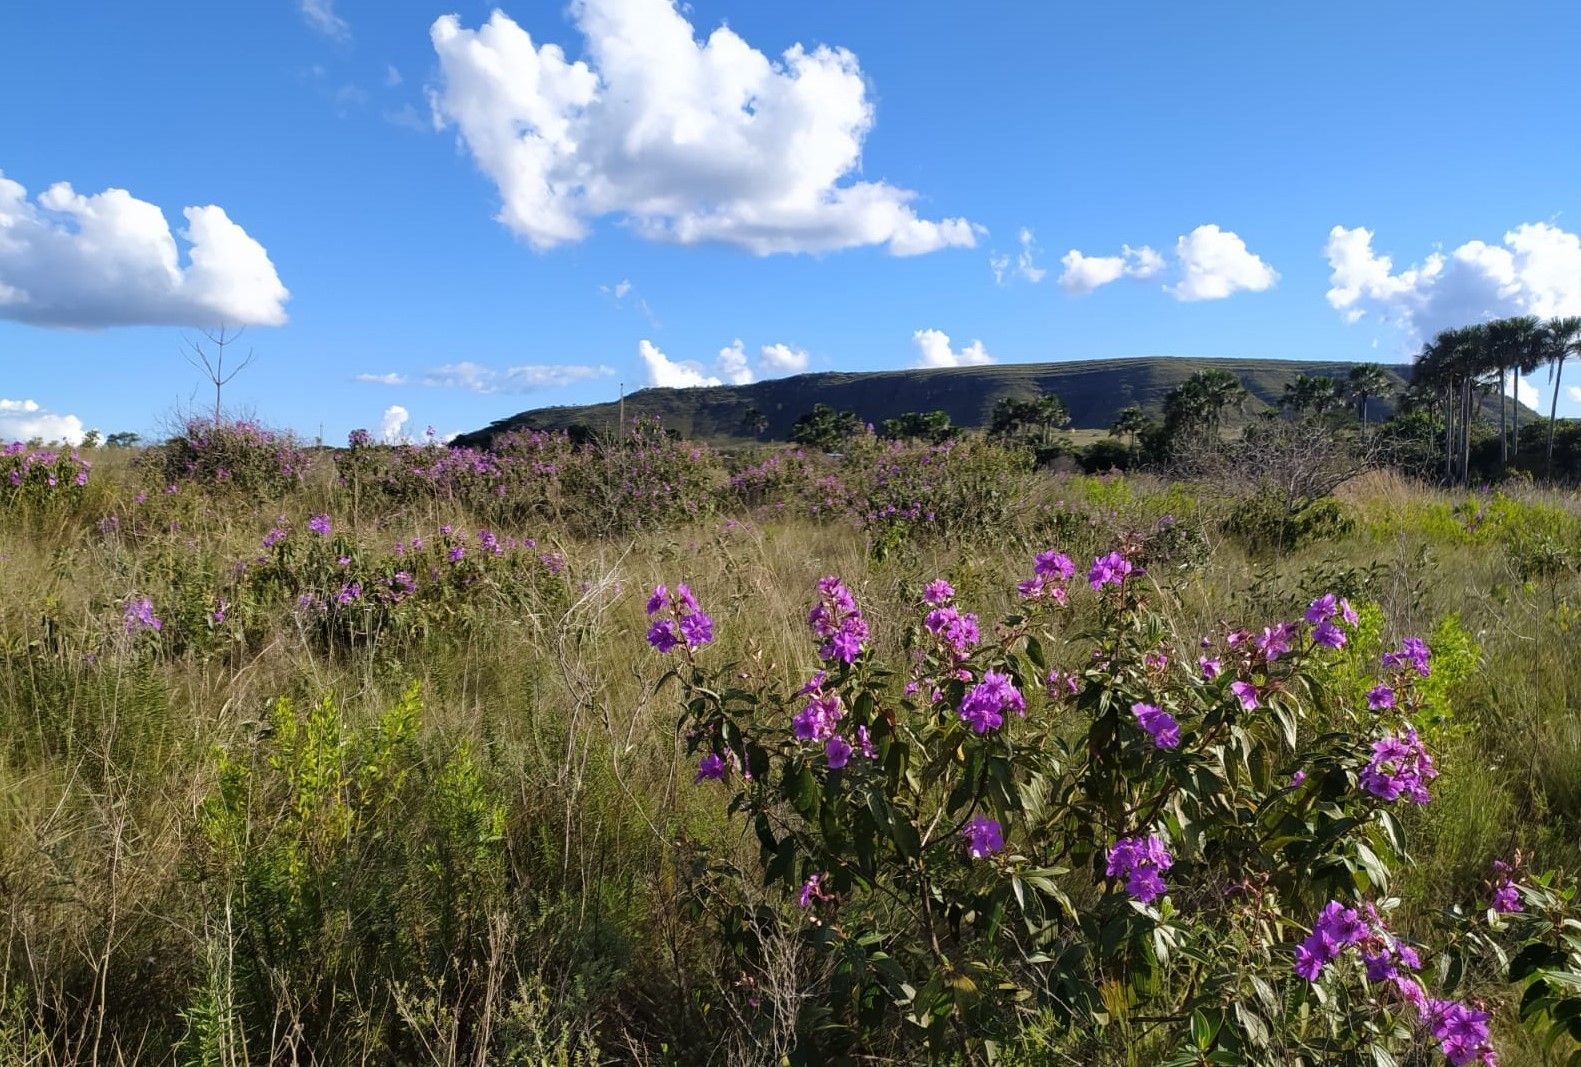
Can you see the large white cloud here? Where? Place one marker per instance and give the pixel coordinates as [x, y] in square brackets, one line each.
[481, 378]
[671, 374]
[25, 420]
[687, 140]
[110, 259]
[392, 424]
[933, 350]
[1536, 271]
[1216, 263]
[1083, 273]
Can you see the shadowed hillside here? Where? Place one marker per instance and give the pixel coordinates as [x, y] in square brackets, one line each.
[1093, 390]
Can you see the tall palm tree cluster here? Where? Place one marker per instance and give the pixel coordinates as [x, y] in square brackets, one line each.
[1459, 367]
[1319, 394]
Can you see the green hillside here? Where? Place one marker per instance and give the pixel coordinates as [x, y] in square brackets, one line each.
[1093, 390]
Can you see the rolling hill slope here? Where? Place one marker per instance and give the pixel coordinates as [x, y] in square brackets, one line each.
[1093, 390]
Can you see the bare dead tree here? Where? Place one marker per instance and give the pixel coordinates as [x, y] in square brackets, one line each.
[210, 359]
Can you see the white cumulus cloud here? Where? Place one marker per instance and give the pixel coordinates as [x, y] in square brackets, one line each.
[1574, 393]
[1535, 271]
[381, 379]
[25, 420]
[687, 140]
[783, 359]
[1084, 273]
[732, 364]
[392, 424]
[933, 350]
[1216, 263]
[110, 259]
[671, 374]
[530, 378]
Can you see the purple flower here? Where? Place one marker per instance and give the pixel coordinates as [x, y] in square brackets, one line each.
[661, 635]
[1159, 724]
[983, 836]
[837, 750]
[1247, 693]
[864, 743]
[1506, 898]
[1400, 766]
[1380, 697]
[956, 630]
[1112, 569]
[938, 591]
[1323, 608]
[1297, 778]
[1141, 861]
[1052, 564]
[817, 718]
[984, 705]
[1211, 667]
[1274, 641]
[1461, 1031]
[1412, 654]
[273, 537]
[319, 524]
[140, 615]
[836, 619]
[697, 628]
[812, 891]
[1328, 635]
[457, 553]
[712, 767]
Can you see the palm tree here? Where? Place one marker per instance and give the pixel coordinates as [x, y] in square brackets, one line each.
[1365, 381]
[1564, 339]
[1513, 344]
[1309, 392]
[1129, 424]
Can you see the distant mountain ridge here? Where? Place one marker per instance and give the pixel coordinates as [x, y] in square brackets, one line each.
[1093, 390]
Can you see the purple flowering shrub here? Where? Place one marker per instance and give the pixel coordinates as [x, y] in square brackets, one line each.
[648, 480]
[980, 837]
[240, 455]
[518, 480]
[33, 476]
[342, 591]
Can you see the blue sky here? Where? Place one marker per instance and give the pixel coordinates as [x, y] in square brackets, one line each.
[889, 184]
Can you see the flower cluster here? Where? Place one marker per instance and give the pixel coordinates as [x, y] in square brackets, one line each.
[1050, 571]
[1141, 861]
[686, 622]
[1460, 1030]
[1321, 614]
[956, 630]
[837, 621]
[139, 615]
[1400, 766]
[1412, 655]
[25, 470]
[1506, 898]
[984, 705]
[1112, 569]
[1338, 928]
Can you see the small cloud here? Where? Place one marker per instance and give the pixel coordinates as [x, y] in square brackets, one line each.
[783, 359]
[1084, 273]
[392, 77]
[409, 118]
[933, 350]
[392, 424]
[1574, 393]
[25, 420]
[999, 265]
[529, 378]
[623, 289]
[732, 364]
[1523, 390]
[381, 379]
[666, 373]
[320, 15]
